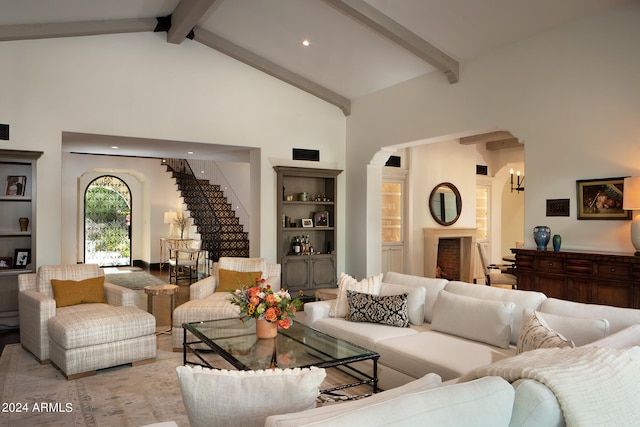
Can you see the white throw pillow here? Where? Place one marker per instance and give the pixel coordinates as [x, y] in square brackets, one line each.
[320, 415]
[370, 285]
[415, 300]
[485, 402]
[481, 320]
[626, 338]
[580, 331]
[537, 334]
[222, 398]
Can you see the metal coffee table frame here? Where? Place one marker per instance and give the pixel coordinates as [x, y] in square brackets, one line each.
[223, 337]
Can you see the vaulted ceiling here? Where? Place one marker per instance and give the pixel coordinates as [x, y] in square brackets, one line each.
[355, 47]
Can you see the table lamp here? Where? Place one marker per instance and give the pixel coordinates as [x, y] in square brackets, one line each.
[631, 201]
[169, 218]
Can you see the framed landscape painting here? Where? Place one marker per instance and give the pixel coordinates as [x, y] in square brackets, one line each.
[601, 199]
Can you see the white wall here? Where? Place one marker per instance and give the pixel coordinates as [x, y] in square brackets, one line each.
[571, 94]
[427, 170]
[138, 85]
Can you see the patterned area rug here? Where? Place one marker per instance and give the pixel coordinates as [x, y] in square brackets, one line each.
[35, 395]
[120, 396]
[135, 280]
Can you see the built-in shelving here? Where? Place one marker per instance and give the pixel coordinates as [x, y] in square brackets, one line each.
[306, 208]
[15, 241]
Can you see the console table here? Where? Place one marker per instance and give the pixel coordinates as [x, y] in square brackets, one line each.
[589, 277]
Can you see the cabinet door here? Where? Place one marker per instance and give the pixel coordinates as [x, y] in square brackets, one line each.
[295, 273]
[323, 271]
[618, 294]
[553, 286]
[393, 258]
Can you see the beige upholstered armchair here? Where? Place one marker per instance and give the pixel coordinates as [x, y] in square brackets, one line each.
[84, 337]
[207, 304]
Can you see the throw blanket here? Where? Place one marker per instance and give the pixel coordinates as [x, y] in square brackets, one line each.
[594, 386]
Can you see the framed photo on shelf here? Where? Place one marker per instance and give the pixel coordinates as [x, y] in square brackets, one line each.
[6, 262]
[22, 257]
[15, 185]
[307, 222]
[601, 199]
[321, 219]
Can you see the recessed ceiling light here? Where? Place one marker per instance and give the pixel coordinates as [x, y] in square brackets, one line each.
[189, 152]
[115, 147]
[306, 42]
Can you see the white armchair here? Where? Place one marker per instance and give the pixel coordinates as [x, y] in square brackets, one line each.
[207, 304]
[81, 338]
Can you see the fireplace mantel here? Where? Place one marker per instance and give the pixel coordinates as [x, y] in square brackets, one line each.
[467, 238]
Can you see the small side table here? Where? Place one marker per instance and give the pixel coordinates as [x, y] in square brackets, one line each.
[157, 290]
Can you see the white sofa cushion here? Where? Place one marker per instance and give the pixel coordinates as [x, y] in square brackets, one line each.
[522, 300]
[537, 334]
[363, 334]
[370, 285]
[222, 398]
[473, 318]
[427, 382]
[626, 338]
[415, 301]
[580, 331]
[486, 402]
[535, 405]
[446, 355]
[432, 288]
[619, 318]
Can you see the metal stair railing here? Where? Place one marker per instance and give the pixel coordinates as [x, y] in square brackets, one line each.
[209, 227]
[210, 171]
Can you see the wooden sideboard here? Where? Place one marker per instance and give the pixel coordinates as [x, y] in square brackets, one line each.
[599, 278]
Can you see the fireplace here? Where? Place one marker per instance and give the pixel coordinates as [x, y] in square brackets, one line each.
[453, 243]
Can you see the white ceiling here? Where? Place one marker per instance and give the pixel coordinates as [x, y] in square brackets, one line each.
[344, 56]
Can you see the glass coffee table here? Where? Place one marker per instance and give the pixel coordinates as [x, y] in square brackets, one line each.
[297, 347]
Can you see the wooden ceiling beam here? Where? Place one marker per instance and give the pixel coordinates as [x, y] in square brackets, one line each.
[486, 137]
[186, 16]
[249, 58]
[75, 29]
[371, 17]
[504, 143]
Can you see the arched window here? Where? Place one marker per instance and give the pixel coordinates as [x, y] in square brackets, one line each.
[107, 222]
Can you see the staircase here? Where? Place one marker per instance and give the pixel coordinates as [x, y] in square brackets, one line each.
[216, 222]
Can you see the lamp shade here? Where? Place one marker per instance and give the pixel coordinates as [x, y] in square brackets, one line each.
[170, 217]
[631, 199]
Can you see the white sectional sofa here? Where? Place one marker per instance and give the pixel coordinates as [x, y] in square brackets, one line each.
[464, 328]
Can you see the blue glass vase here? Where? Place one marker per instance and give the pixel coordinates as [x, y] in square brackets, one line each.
[542, 235]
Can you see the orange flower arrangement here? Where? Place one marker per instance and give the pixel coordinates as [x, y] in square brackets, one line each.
[261, 302]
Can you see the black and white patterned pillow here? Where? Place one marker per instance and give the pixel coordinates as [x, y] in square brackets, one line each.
[388, 310]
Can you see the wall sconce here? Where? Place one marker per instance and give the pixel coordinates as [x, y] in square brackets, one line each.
[519, 183]
[631, 202]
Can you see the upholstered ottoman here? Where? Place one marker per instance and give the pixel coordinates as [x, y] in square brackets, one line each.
[87, 337]
[215, 306]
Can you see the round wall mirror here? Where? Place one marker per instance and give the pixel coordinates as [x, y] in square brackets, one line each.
[445, 203]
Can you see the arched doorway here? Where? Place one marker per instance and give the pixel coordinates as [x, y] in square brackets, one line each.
[107, 222]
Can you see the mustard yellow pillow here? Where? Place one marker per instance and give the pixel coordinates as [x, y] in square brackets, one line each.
[229, 280]
[71, 292]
